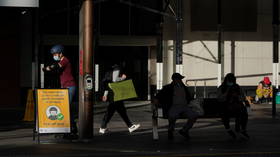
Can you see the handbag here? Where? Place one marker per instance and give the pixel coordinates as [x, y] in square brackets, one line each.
[123, 90]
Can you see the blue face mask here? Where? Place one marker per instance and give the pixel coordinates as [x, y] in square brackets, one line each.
[230, 83]
[56, 58]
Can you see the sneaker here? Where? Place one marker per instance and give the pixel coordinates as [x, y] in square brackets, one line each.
[232, 134]
[170, 135]
[133, 127]
[102, 130]
[185, 134]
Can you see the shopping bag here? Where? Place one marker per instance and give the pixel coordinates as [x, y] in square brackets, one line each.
[196, 106]
[123, 90]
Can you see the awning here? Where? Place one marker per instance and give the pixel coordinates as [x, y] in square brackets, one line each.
[19, 3]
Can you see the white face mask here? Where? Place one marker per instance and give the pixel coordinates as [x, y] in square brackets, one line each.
[230, 83]
[56, 58]
[53, 113]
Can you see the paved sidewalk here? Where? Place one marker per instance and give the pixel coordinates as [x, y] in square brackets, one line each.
[208, 138]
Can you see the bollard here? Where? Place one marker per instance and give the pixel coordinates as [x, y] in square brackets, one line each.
[275, 100]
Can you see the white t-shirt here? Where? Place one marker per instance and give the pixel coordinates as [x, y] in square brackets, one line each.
[115, 78]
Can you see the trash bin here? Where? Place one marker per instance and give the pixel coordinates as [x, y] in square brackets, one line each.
[277, 98]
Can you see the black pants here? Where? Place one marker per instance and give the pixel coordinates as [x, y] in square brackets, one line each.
[119, 107]
[241, 119]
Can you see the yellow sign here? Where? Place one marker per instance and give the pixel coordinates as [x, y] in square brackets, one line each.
[53, 110]
[123, 90]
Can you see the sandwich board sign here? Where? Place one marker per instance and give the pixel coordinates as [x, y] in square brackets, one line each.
[53, 111]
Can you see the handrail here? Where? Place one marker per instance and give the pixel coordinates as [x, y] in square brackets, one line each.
[241, 76]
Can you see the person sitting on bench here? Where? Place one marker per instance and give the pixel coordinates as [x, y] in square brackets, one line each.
[232, 99]
[174, 99]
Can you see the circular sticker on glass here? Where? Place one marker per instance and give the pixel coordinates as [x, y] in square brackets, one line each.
[54, 113]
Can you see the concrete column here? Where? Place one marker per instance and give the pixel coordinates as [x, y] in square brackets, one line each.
[168, 60]
[275, 22]
[159, 64]
[232, 56]
[86, 72]
[152, 70]
[220, 45]
[179, 36]
[26, 48]
[36, 41]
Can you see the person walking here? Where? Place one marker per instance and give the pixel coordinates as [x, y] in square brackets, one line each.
[232, 101]
[114, 75]
[175, 97]
[62, 65]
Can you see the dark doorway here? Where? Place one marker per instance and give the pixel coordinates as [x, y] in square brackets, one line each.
[134, 61]
[10, 71]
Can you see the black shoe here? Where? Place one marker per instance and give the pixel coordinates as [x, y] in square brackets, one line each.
[232, 134]
[66, 136]
[170, 135]
[70, 136]
[245, 135]
[185, 134]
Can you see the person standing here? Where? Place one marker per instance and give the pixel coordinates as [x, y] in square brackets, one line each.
[175, 97]
[114, 75]
[232, 101]
[63, 66]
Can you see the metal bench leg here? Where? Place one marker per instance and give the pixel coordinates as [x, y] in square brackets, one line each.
[155, 129]
[155, 122]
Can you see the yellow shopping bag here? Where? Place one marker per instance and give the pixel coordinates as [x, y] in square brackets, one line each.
[123, 90]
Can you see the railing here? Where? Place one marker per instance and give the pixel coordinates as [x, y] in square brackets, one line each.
[205, 80]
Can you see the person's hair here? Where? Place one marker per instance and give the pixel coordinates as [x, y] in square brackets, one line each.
[115, 66]
[53, 109]
[229, 78]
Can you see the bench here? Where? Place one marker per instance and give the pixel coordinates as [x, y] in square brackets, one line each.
[210, 106]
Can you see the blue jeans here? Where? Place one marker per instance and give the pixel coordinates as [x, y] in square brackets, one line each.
[72, 91]
[181, 111]
[73, 108]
